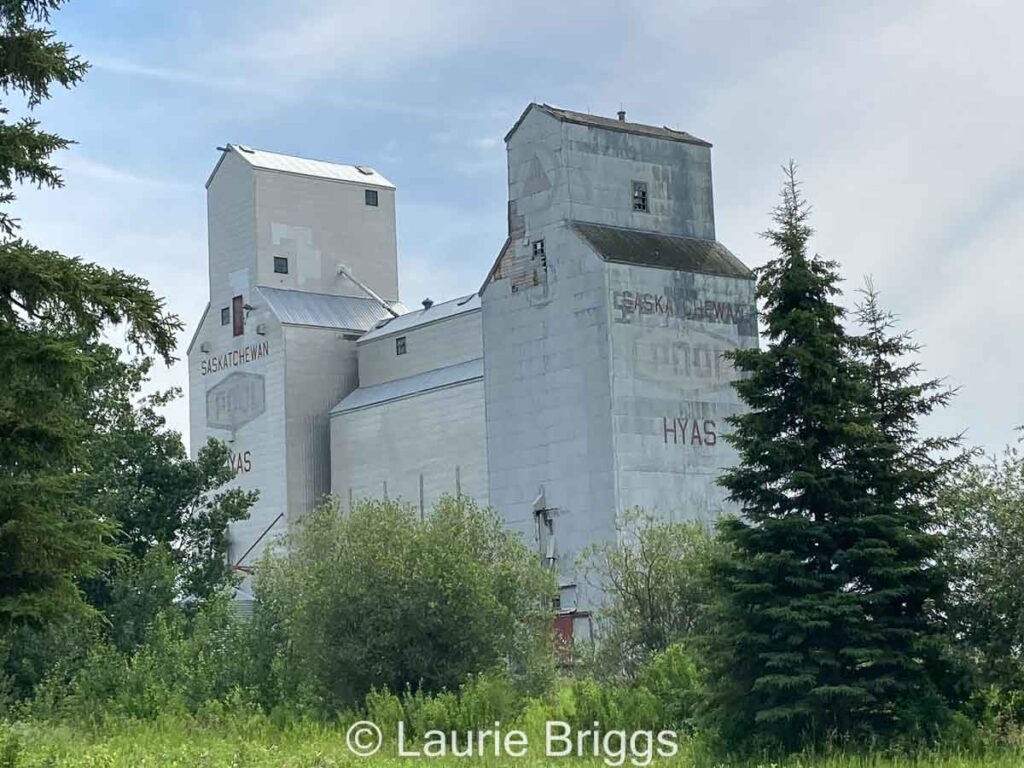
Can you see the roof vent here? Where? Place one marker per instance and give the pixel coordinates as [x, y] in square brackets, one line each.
[428, 303]
[365, 170]
[622, 115]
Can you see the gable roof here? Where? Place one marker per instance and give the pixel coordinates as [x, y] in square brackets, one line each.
[441, 311]
[324, 310]
[301, 166]
[652, 249]
[609, 124]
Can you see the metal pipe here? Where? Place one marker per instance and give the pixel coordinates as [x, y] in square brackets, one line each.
[343, 270]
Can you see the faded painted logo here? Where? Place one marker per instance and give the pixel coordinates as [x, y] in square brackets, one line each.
[629, 305]
[234, 358]
[689, 431]
[236, 401]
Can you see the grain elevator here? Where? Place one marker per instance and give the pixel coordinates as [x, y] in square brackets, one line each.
[584, 377]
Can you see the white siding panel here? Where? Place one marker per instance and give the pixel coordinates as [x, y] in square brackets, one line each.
[321, 370]
[672, 388]
[260, 441]
[438, 435]
[318, 224]
[434, 345]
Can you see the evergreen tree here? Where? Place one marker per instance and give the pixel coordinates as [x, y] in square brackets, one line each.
[827, 583]
[896, 546]
[53, 310]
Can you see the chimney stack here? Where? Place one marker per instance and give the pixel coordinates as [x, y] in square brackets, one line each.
[622, 115]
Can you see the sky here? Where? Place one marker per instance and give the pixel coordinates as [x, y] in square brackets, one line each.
[903, 117]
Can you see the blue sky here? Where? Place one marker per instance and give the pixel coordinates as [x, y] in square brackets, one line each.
[903, 116]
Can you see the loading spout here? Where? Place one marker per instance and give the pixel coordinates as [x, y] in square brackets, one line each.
[346, 272]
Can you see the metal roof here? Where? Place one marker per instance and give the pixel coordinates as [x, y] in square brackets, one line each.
[325, 310]
[651, 249]
[410, 320]
[610, 124]
[272, 161]
[439, 378]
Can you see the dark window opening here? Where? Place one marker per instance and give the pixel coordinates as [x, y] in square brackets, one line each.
[639, 196]
[540, 262]
[371, 197]
[400, 345]
[539, 256]
[237, 316]
[281, 265]
[225, 315]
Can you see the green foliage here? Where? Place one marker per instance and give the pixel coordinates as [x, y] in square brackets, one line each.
[378, 599]
[982, 510]
[184, 665]
[53, 310]
[253, 742]
[141, 477]
[33, 62]
[826, 614]
[657, 576]
[171, 514]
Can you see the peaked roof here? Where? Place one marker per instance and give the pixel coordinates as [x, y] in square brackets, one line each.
[301, 166]
[609, 124]
[409, 320]
[324, 310]
[652, 249]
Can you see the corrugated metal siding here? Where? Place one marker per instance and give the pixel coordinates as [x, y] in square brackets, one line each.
[423, 382]
[323, 310]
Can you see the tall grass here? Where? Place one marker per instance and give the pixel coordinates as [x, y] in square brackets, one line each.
[255, 742]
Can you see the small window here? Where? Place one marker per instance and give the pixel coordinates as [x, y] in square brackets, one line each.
[540, 259]
[400, 345]
[281, 265]
[225, 316]
[371, 197]
[639, 196]
[237, 316]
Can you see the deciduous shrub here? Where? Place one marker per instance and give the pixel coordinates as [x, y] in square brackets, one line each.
[378, 599]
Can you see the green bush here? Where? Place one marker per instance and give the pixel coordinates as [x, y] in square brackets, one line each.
[657, 578]
[184, 665]
[381, 600]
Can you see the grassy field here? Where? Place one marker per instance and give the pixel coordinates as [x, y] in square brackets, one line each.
[261, 745]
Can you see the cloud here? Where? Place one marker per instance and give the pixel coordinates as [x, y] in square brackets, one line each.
[901, 116]
[74, 166]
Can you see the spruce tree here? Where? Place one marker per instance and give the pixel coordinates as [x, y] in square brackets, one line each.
[53, 312]
[823, 591]
[896, 547]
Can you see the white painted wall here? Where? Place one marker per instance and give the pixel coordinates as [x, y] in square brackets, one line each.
[261, 442]
[672, 389]
[573, 390]
[559, 171]
[548, 393]
[602, 165]
[428, 346]
[429, 434]
[321, 369]
[319, 223]
[231, 228]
